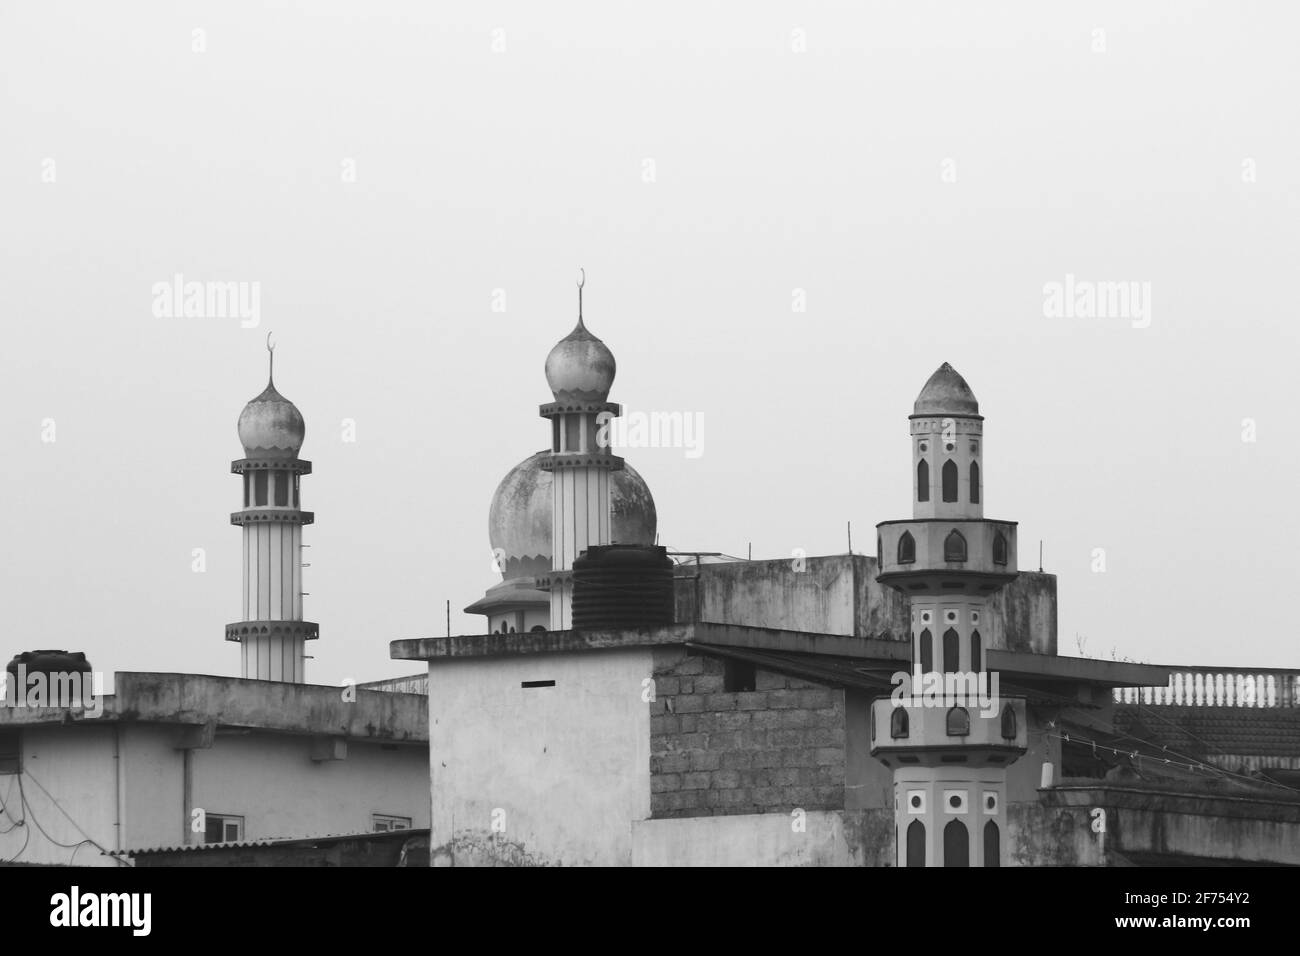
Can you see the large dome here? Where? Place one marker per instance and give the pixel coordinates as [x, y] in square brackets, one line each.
[519, 521]
[580, 367]
[946, 393]
[270, 426]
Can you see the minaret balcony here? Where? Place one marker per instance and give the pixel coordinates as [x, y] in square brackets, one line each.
[296, 465]
[307, 630]
[979, 730]
[271, 515]
[578, 459]
[947, 555]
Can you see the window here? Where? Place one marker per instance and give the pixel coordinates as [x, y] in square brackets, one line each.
[247, 488]
[922, 481]
[999, 548]
[956, 844]
[738, 677]
[992, 847]
[259, 489]
[572, 435]
[949, 480]
[954, 546]
[1008, 722]
[906, 548]
[282, 489]
[221, 827]
[11, 748]
[385, 822]
[916, 843]
[975, 652]
[974, 482]
[958, 722]
[555, 435]
[898, 723]
[927, 652]
[951, 661]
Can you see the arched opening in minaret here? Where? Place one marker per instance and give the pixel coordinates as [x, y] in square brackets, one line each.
[954, 546]
[925, 639]
[898, 723]
[956, 844]
[999, 548]
[916, 844]
[259, 489]
[958, 722]
[949, 480]
[1008, 723]
[951, 659]
[281, 489]
[906, 548]
[992, 845]
[974, 482]
[975, 653]
[922, 481]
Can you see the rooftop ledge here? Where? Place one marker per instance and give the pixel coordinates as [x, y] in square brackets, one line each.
[889, 652]
[241, 704]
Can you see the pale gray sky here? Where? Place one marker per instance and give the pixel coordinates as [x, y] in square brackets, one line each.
[1122, 156]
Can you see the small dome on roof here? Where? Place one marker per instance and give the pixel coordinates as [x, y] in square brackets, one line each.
[519, 521]
[580, 367]
[946, 393]
[270, 426]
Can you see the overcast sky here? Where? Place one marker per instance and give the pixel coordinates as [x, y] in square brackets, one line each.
[920, 171]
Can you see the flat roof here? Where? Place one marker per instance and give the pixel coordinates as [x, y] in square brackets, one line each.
[196, 700]
[888, 653]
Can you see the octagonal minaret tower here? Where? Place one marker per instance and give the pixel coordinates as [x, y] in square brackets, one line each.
[949, 750]
[580, 372]
[272, 634]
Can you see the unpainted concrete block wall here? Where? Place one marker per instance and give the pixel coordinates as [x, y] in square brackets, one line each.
[777, 748]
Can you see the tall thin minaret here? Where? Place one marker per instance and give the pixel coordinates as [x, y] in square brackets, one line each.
[272, 633]
[949, 753]
[580, 371]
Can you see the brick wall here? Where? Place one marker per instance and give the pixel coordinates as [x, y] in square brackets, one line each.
[774, 749]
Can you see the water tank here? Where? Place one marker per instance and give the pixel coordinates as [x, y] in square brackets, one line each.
[618, 586]
[49, 662]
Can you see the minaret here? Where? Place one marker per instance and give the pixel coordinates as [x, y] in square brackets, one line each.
[949, 752]
[272, 633]
[580, 371]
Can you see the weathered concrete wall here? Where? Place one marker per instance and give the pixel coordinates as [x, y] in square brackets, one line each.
[75, 765]
[541, 775]
[839, 594]
[272, 782]
[821, 597]
[1025, 613]
[1039, 835]
[868, 783]
[774, 749]
[268, 779]
[815, 838]
[770, 839]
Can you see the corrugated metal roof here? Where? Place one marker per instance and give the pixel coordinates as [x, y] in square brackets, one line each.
[271, 841]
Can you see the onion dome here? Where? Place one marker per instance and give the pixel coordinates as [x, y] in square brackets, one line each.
[270, 426]
[580, 367]
[519, 520]
[946, 393]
